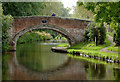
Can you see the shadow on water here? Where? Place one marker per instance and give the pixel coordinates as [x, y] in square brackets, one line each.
[36, 61]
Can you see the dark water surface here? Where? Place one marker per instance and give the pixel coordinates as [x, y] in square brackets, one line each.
[36, 61]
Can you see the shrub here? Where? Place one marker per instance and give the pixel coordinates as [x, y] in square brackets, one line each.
[116, 38]
[95, 31]
[86, 36]
[6, 23]
[34, 36]
[102, 34]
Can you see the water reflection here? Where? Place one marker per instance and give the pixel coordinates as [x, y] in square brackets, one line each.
[39, 57]
[36, 61]
[116, 73]
[95, 70]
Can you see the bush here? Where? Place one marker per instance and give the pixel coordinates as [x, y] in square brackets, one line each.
[95, 31]
[102, 34]
[34, 36]
[86, 36]
[6, 23]
[116, 38]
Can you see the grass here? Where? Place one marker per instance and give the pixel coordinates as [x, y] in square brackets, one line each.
[113, 48]
[92, 50]
[96, 53]
[63, 45]
[91, 45]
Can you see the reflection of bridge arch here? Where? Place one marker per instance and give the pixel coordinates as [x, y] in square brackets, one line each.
[16, 68]
[67, 71]
[72, 29]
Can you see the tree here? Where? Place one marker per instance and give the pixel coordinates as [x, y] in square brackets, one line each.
[23, 8]
[65, 12]
[34, 8]
[81, 12]
[57, 8]
[105, 12]
[97, 32]
[6, 23]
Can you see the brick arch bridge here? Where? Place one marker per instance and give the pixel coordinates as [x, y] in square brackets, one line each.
[72, 29]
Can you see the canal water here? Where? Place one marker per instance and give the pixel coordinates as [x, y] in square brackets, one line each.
[36, 61]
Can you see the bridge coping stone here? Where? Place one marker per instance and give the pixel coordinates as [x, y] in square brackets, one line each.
[53, 17]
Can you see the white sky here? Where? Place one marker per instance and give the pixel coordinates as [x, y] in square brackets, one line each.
[69, 3]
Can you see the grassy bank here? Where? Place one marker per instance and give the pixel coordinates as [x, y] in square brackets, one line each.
[90, 45]
[113, 48]
[94, 60]
[95, 53]
[63, 45]
[92, 50]
[86, 45]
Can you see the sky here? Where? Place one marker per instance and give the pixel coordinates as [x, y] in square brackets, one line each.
[69, 3]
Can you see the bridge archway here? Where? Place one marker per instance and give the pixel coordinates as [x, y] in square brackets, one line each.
[58, 29]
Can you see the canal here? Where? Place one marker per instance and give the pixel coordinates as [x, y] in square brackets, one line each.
[36, 61]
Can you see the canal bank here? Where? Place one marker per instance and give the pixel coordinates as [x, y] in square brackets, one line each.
[90, 50]
[104, 56]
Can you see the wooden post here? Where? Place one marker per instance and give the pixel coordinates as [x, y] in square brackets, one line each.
[95, 41]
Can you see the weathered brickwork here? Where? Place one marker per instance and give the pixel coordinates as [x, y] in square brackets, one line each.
[72, 29]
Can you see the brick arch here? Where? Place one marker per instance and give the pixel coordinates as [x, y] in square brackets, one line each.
[58, 29]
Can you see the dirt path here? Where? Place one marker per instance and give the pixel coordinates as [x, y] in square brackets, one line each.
[110, 38]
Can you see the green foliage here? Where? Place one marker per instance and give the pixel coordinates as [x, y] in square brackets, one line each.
[23, 8]
[4, 27]
[95, 31]
[57, 8]
[93, 60]
[105, 12]
[96, 53]
[82, 13]
[54, 34]
[117, 37]
[60, 37]
[110, 33]
[101, 35]
[35, 8]
[65, 12]
[34, 36]
[90, 45]
[6, 23]
[51, 32]
[113, 48]
[86, 36]
[63, 45]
